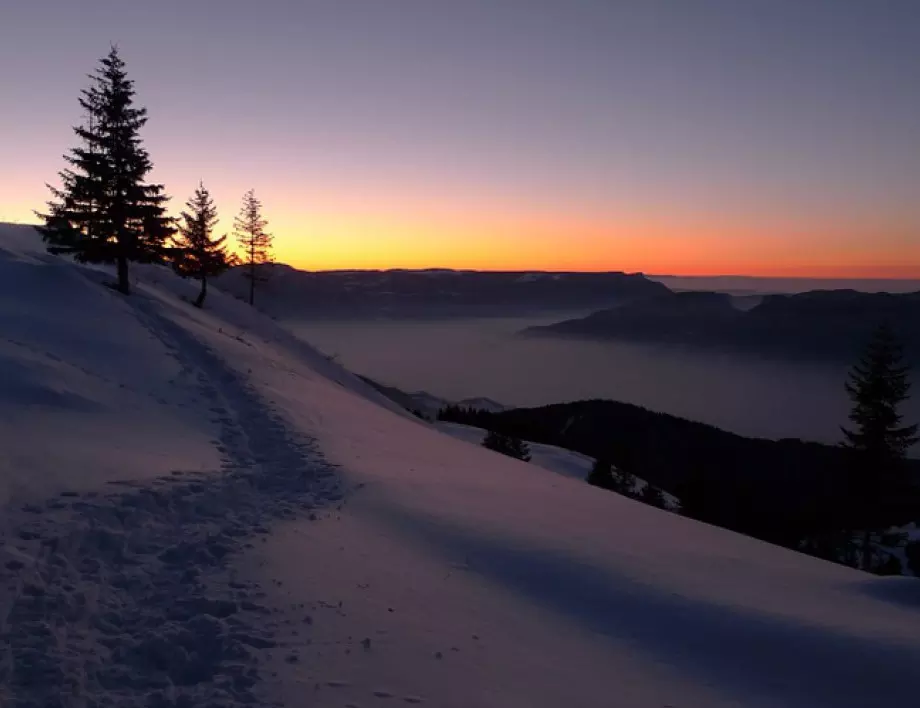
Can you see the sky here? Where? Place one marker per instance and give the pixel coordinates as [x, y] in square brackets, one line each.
[760, 137]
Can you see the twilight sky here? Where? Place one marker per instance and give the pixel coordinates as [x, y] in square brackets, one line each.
[776, 137]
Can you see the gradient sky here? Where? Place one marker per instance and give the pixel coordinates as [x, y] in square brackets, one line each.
[668, 136]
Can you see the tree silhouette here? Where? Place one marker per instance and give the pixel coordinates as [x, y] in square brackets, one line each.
[601, 474]
[877, 386]
[507, 445]
[105, 211]
[255, 242]
[200, 254]
[624, 481]
[652, 496]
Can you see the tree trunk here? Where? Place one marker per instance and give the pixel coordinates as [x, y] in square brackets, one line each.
[252, 284]
[204, 292]
[124, 285]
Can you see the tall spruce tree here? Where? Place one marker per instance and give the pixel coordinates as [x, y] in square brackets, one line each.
[255, 242]
[105, 211]
[877, 386]
[199, 253]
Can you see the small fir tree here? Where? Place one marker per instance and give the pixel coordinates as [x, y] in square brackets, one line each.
[601, 474]
[652, 496]
[200, 254]
[255, 242]
[105, 210]
[624, 481]
[519, 449]
[507, 445]
[877, 386]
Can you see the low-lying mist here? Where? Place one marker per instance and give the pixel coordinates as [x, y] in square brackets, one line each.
[463, 358]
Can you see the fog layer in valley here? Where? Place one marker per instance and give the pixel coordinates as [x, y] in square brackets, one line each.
[483, 357]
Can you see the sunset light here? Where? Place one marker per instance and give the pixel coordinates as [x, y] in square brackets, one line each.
[444, 159]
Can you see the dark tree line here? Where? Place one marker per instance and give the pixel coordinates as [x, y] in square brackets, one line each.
[836, 502]
[107, 211]
[615, 479]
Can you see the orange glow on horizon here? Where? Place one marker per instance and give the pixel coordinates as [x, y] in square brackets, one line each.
[495, 241]
[349, 237]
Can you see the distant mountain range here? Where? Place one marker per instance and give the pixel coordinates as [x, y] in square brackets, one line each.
[297, 294]
[428, 404]
[818, 325]
[765, 285]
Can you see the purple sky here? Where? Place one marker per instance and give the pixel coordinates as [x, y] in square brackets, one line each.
[630, 119]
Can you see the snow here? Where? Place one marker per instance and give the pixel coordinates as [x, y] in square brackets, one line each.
[555, 459]
[281, 533]
[84, 382]
[574, 594]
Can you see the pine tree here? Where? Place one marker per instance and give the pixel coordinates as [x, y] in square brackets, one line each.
[518, 449]
[601, 474]
[624, 481]
[105, 211]
[507, 445]
[254, 241]
[607, 476]
[200, 254]
[652, 496]
[877, 386]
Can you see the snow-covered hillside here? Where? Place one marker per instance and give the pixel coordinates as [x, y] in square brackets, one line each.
[555, 459]
[202, 510]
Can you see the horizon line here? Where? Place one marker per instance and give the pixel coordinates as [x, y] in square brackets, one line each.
[694, 276]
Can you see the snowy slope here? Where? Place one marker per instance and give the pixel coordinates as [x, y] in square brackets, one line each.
[290, 535]
[464, 578]
[135, 463]
[556, 459]
[84, 384]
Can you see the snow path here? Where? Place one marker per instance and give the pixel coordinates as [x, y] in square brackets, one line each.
[126, 598]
